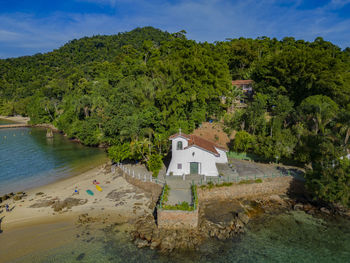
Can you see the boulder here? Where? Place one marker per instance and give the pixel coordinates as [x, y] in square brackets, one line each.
[298, 207]
[243, 217]
[325, 210]
[140, 243]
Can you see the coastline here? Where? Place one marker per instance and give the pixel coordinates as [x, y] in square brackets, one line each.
[16, 119]
[51, 206]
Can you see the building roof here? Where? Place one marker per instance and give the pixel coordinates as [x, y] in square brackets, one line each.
[194, 140]
[242, 81]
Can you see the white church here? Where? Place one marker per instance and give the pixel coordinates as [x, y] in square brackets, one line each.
[192, 154]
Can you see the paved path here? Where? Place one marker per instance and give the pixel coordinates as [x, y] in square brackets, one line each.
[177, 196]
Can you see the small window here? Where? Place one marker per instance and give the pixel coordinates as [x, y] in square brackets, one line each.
[179, 145]
[179, 166]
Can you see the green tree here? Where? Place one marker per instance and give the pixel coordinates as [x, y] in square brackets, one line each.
[318, 111]
[243, 141]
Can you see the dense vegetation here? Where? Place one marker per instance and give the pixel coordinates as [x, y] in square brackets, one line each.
[132, 90]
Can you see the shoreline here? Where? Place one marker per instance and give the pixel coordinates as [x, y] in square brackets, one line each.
[54, 210]
[55, 206]
[17, 119]
[35, 206]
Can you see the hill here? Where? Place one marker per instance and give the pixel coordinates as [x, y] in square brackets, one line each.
[130, 91]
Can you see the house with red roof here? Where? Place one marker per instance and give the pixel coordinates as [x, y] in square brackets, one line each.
[246, 87]
[192, 154]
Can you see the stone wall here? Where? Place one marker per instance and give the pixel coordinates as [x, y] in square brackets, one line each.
[177, 219]
[269, 186]
[154, 189]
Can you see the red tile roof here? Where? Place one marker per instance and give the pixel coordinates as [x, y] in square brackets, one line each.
[194, 140]
[242, 82]
[179, 135]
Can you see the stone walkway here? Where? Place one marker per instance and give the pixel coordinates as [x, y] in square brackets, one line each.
[177, 196]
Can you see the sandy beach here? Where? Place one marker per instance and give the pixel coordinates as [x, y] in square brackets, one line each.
[17, 119]
[54, 210]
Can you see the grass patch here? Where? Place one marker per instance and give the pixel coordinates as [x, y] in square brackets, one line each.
[211, 185]
[184, 206]
[195, 196]
[259, 180]
[165, 195]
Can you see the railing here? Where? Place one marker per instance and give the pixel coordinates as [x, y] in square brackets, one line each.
[161, 200]
[195, 196]
[237, 179]
[142, 177]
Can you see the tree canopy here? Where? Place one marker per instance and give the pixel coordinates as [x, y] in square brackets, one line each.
[131, 90]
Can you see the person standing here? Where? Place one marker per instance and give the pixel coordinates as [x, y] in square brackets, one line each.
[7, 208]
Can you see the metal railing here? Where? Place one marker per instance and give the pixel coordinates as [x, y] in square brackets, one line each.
[237, 179]
[142, 177]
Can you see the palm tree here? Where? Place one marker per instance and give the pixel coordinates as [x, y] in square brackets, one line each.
[345, 126]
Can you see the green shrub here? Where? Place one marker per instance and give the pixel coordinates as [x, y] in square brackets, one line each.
[184, 206]
[155, 164]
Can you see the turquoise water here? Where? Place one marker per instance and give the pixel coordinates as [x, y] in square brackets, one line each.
[29, 159]
[289, 237]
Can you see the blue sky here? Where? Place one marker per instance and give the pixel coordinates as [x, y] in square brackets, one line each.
[32, 26]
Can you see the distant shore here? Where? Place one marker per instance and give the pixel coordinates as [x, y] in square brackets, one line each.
[55, 204]
[17, 119]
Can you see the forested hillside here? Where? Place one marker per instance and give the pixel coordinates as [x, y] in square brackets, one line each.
[132, 90]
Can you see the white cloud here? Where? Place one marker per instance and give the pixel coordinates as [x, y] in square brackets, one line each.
[101, 2]
[7, 36]
[338, 3]
[206, 20]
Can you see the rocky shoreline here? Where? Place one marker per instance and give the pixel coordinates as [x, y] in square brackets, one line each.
[223, 220]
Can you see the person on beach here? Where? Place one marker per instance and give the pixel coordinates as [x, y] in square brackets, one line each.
[7, 208]
[95, 182]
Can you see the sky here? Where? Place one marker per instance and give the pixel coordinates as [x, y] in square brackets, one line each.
[28, 27]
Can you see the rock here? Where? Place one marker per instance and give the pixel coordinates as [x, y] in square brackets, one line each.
[17, 197]
[155, 243]
[298, 207]
[325, 210]
[277, 199]
[140, 243]
[68, 203]
[244, 218]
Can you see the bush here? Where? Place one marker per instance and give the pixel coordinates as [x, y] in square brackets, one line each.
[155, 164]
[120, 152]
[243, 141]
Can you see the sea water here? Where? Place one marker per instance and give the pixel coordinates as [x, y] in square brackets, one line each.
[289, 237]
[28, 159]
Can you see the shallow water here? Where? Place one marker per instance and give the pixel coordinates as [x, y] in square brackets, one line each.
[3, 122]
[28, 159]
[289, 237]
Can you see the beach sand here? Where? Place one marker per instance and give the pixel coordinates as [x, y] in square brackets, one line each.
[37, 222]
[17, 119]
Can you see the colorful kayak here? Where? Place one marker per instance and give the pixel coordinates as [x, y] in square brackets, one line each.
[98, 188]
[89, 192]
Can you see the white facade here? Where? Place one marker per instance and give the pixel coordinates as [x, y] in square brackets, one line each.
[203, 159]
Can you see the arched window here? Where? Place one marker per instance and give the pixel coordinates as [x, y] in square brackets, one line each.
[179, 145]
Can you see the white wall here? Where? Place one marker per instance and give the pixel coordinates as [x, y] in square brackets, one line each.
[207, 161]
[223, 156]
